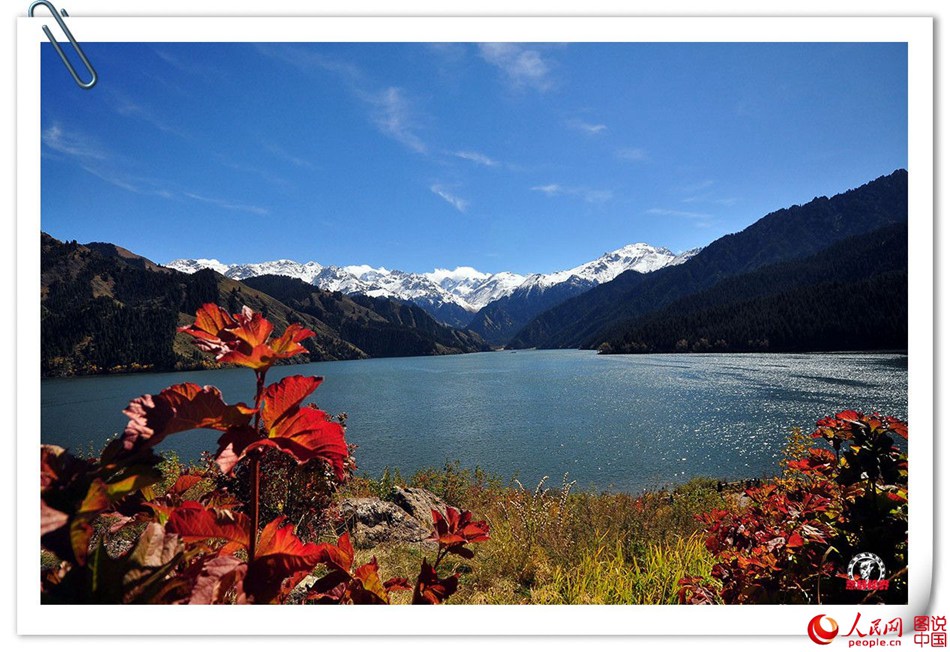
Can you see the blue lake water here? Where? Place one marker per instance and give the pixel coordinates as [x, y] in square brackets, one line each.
[610, 422]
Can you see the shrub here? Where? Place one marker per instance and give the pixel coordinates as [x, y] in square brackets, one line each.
[793, 541]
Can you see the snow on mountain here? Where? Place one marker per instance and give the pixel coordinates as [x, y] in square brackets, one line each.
[192, 265]
[640, 257]
[477, 288]
[463, 288]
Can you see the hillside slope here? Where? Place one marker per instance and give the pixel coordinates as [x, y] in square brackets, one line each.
[787, 234]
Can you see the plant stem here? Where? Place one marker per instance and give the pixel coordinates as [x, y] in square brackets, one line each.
[255, 505]
[256, 471]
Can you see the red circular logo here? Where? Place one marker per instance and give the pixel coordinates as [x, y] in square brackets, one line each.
[818, 633]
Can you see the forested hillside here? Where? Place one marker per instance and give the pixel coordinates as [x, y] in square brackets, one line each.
[800, 231]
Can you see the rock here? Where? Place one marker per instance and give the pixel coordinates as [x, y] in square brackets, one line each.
[372, 521]
[418, 503]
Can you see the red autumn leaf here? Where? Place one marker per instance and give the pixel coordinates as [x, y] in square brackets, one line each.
[367, 587]
[243, 338]
[332, 588]
[457, 529]
[308, 434]
[280, 556]
[795, 540]
[217, 576]
[339, 556]
[251, 327]
[287, 345]
[51, 519]
[397, 584]
[849, 415]
[285, 396]
[184, 483]
[431, 589]
[195, 522]
[178, 408]
[305, 433]
[211, 330]
[896, 425]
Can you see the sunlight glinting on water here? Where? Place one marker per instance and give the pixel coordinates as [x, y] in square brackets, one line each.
[610, 422]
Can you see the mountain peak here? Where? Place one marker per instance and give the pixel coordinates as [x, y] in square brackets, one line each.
[461, 291]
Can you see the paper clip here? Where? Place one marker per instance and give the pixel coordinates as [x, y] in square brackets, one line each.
[59, 50]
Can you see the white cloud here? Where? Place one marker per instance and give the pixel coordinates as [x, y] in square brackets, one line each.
[283, 154]
[597, 196]
[550, 190]
[632, 154]
[460, 204]
[709, 199]
[389, 108]
[587, 127]
[477, 157]
[392, 115]
[223, 203]
[73, 144]
[127, 107]
[523, 68]
[590, 195]
[674, 213]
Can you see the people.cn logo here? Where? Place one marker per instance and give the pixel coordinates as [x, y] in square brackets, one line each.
[817, 631]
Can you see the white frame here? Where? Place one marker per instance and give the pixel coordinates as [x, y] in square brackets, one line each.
[34, 618]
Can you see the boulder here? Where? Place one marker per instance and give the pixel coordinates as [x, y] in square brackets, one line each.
[372, 521]
[418, 503]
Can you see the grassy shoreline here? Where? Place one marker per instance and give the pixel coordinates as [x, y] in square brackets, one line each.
[553, 544]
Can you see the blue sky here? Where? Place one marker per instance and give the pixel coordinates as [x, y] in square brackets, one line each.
[520, 157]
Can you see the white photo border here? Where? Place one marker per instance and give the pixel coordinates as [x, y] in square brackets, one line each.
[34, 618]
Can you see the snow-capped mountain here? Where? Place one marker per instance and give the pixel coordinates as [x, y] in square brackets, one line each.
[452, 296]
[639, 257]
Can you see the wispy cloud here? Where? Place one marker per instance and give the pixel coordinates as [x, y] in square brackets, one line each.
[551, 189]
[710, 199]
[587, 127]
[126, 106]
[394, 117]
[114, 169]
[308, 60]
[389, 108]
[635, 154]
[279, 152]
[228, 205]
[590, 195]
[476, 157]
[460, 204]
[95, 159]
[692, 188]
[522, 67]
[73, 144]
[675, 213]
[191, 65]
[263, 172]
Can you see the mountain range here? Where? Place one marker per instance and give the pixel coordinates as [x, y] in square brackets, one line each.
[451, 296]
[609, 311]
[106, 309]
[830, 274]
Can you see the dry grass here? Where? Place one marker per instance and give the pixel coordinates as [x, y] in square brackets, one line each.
[554, 545]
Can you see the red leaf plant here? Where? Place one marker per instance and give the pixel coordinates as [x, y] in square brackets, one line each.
[793, 539]
[199, 544]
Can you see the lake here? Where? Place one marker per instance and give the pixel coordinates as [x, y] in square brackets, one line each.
[611, 422]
